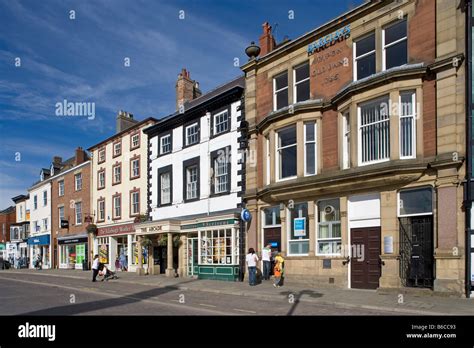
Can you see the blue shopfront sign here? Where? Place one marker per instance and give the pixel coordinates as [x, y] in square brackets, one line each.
[39, 240]
[245, 215]
[330, 39]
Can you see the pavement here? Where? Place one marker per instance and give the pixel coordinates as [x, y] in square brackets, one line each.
[325, 301]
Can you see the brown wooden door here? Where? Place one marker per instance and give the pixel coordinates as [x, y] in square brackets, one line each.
[366, 270]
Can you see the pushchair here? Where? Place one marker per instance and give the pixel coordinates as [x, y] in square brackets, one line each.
[106, 273]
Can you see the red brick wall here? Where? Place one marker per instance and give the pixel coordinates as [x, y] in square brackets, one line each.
[329, 141]
[429, 118]
[422, 33]
[6, 219]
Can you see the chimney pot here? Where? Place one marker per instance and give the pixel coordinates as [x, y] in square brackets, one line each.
[186, 89]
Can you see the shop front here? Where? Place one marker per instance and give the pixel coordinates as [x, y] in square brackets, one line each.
[73, 251]
[39, 248]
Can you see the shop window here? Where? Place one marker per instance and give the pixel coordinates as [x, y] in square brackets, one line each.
[407, 125]
[310, 148]
[374, 131]
[216, 247]
[394, 42]
[286, 152]
[103, 243]
[298, 236]
[221, 122]
[346, 140]
[280, 91]
[165, 144]
[78, 181]
[301, 78]
[364, 57]
[329, 227]
[417, 201]
[78, 210]
[61, 188]
[192, 134]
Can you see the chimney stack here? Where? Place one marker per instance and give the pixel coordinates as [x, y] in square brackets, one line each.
[124, 120]
[186, 89]
[267, 41]
[80, 156]
[57, 160]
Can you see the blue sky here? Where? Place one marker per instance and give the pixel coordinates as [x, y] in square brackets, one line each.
[82, 60]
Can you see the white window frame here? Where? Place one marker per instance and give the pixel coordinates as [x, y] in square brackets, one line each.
[45, 198]
[137, 137]
[330, 224]
[275, 91]
[222, 160]
[414, 188]
[102, 201]
[117, 145]
[136, 160]
[224, 123]
[60, 188]
[384, 47]
[277, 154]
[267, 160]
[168, 188]
[346, 139]
[61, 216]
[45, 224]
[196, 134]
[296, 83]
[135, 204]
[414, 118]
[167, 136]
[101, 158]
[356, 58]
[315, 148]
[101, 182]
[288, 231]
[114, 207]
[359, 130]
[76, 181]
[115, 181]
[191, 186]
[76, 210]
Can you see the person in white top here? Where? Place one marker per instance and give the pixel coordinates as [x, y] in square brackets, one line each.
[266, 258]
[95, 268]
[252, 260]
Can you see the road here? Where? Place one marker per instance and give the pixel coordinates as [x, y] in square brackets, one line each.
[27, 294]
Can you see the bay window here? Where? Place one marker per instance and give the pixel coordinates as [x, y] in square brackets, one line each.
[286, 152]
[310, 148]
[280, 91]
[298, 232]
[329, 227]
[394, 43]
[374, 131]
[346, 140]
[364, 57]
[407, 112]
[219, 247]
[301, 78]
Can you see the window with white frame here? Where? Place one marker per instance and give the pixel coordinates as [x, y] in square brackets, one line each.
[364, 57]
[101, 176]
[101, 209]
[415, 201]
[117, 206]
[280, 91]
[221, 122]
[78, 213]
[219, 247]
[36, 226]
[45, 224]
[21, 213]
[407, 111]
[135, 199]
[135, 168]
[78, 181]
[272, 216]
[310, 163]
[61, 188]
[221, 174]
[286, 152]
[165, 144]
[374, 131]
[329, 227]
[61, 215]
[117, 149]
[192, 134]
[395, 44]
[35, 202]
[298, 231]
[301, 78]
[267, 159]
[165, 188]
[191, 182]
[45, 198]
[135, 140]
[117, 174]
[346, 140]
[101, 157]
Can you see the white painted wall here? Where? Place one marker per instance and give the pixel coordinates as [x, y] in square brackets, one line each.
[203, 150]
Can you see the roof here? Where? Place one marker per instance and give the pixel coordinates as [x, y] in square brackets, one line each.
[20, 198]
[136, 125]
[190, 106]
[9, 210]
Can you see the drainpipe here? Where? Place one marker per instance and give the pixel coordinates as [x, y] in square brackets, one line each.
[208, 116]
[469, 123]
[243, 146]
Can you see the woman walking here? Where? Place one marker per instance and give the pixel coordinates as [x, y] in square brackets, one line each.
[252, 260]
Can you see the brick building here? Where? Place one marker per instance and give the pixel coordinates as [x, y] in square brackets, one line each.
[70, 206]
[7, 218]
[358, 130]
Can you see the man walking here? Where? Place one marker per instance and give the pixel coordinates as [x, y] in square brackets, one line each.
[266, 255]
[95, 268]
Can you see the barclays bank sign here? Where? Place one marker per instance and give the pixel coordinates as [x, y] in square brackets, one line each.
[328, 40]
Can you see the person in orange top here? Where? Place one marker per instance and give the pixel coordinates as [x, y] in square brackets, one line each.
[278, 270]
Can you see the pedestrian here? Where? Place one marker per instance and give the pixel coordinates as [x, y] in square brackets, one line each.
[117, 264]
[252, 260]
[95, 268]
[280, 261]
[123, 262]
[277, 272]
[266, 256]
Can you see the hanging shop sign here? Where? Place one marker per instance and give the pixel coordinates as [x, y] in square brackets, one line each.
[64, 223]
[330, 39]
[245, 215]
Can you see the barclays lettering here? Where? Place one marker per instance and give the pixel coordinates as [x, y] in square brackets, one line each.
[330, 39]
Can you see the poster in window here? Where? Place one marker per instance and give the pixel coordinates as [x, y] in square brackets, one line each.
[299, 225]
[104, 253]
[80, 253]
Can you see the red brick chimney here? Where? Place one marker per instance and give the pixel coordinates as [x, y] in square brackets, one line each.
[186, 89]
[267, 41]
[80, 156]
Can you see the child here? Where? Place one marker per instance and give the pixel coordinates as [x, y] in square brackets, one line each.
[277, 273]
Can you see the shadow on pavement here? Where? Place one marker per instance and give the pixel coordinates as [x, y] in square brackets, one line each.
[297, 297]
